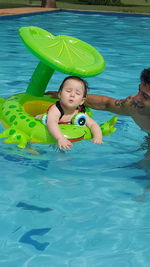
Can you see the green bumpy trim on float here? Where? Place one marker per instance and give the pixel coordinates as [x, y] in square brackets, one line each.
[62, 53]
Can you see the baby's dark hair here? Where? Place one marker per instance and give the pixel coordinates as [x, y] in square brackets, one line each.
[77, 79]
[145, 76]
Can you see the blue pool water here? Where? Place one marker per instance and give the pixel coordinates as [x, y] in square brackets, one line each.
[88, 207]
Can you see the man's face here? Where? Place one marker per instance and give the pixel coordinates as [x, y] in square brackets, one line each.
[141, 101]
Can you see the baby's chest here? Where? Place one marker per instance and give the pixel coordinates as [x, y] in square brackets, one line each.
[67, 117]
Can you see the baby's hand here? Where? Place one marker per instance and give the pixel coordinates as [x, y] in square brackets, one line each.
[97, 141]
[64, 143]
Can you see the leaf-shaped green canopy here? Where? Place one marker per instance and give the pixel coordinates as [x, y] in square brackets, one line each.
[63, 53]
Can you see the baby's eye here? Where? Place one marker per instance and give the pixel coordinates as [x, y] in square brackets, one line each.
[78, 93]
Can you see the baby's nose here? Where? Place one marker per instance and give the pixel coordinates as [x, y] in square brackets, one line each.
[72, 93]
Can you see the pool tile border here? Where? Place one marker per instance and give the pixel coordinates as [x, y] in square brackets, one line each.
[23, 12]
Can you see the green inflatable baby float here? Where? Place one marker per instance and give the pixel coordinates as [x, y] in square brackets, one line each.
[61, 53]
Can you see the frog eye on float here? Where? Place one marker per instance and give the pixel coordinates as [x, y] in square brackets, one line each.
[79, 119]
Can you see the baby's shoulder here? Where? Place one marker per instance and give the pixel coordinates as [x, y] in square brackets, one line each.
[53, 109]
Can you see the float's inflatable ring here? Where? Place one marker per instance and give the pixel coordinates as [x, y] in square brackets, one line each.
[18, 116]
[17, 113]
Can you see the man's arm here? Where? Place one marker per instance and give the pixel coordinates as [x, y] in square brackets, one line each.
[53, 94]
[118, 106]
[99, 102]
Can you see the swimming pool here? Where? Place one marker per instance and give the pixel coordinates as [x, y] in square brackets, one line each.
[89, 206]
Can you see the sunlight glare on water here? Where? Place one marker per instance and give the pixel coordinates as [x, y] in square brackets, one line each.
[88, 207]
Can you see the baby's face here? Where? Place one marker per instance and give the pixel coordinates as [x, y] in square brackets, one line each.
[72, 93]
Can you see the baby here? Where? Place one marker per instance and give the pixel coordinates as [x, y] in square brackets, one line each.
[72, 94]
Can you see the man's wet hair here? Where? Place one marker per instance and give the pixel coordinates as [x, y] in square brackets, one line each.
[77, 79]
[145, 76]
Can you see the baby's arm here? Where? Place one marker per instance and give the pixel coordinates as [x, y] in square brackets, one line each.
[95, 129]
[52, 124]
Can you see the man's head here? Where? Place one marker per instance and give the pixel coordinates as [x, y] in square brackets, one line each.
[145, 76]
[142, 99]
